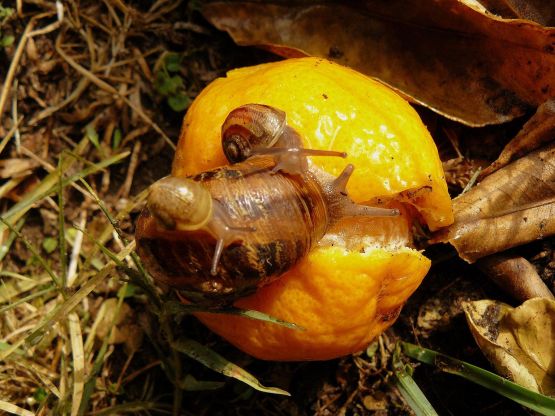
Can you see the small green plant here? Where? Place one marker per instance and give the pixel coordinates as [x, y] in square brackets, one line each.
[169, 83]
[5, 13]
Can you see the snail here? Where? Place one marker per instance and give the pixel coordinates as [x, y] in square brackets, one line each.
[257, 129]
[227, 231]
[224, 232]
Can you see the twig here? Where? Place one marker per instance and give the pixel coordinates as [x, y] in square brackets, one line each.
[75, 94]
[472, 181]
[17, 135]
[48, 167]
[163, 10]
[138, 372]
[52, 26]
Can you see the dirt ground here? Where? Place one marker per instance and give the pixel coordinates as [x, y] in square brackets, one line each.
[113, 46]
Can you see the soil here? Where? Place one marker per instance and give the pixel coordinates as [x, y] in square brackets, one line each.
[127, 53]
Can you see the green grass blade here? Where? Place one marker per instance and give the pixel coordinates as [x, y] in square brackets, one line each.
[176, 308]
[189, 383]
[408, 388]
[26, 299]
[538, 402]
[261, 316]
[90, 385]
[59, 312]
[133, 408]
[219, 364]
[142, 273]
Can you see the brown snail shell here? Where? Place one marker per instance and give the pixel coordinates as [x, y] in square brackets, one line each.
[181, 207]
[249, 128]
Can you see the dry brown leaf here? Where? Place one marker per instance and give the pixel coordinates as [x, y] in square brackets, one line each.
[462, 63]
[519, 342]
[539, 11]
[537, 131]
[515, 275]
[512, 206]
[10, 168]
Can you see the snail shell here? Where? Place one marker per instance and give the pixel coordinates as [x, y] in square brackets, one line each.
[180, 207]
[250, 128]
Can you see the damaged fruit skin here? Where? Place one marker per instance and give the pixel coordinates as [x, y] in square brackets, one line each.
[353, 284]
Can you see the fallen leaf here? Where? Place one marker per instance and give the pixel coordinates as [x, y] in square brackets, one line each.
[515, 275]
[519, 342]
[537, 131]
[465, 64]
[539, 11]
[512, 206]
[10, 168]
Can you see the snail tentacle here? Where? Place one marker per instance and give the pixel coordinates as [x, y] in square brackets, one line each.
[218, 250]
[292, 160]
[342, 206]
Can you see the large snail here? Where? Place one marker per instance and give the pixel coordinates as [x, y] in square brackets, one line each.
[225, 232]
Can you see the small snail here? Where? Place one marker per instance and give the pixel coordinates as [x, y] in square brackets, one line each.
[257, 129]
[225, 232]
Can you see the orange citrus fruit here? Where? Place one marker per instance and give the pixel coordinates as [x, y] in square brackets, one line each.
[354, 283]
